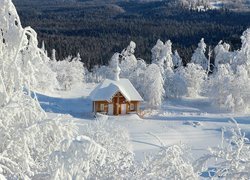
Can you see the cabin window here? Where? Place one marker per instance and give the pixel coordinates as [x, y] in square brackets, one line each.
[102, 107]
[132, 107]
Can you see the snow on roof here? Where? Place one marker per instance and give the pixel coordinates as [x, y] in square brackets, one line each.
[108, 88]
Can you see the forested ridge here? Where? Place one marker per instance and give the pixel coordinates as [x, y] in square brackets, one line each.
[97, 30]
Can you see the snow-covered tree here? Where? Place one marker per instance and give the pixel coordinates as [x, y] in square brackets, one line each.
[138, 77]
[222, 54]
[162, 55]
[98, 73]
[231, 88]
[175, 83]
[169, 81]
[154, 90]
[243, 55]
[53, 55]
[177, 61]
[128, 60]
[199, 55]
[194, 76]
[114, 67]
[156, 51]
[70, 71]
[166, 54]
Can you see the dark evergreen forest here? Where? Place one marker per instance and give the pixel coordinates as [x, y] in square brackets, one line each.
[97, 30]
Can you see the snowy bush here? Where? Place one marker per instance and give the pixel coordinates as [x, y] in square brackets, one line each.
[232, 156]
[75, 159]
[119, 158]
[70, 71]
[169, 163]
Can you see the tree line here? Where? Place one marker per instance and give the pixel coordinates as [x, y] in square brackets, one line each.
[96, 31]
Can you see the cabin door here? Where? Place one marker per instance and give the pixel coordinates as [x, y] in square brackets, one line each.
[123, 109]
[110, 109]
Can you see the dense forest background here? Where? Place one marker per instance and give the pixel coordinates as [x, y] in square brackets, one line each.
[97, 30]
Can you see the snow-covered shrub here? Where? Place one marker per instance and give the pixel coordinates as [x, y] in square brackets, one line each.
[75, 159]
[119, 157]
[70, 71]
[169, 163]
[232, 156]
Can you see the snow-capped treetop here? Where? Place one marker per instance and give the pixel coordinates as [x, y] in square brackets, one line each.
[114, 65]
[77, 58]
[53, 55]
[222, 54]
[132, 47]
[199, 55]
[128, 52]
[11, 29]
[166, 54]
[177, 61]
[245, 48]
[128, 59]
[156, 51]
[162, 55]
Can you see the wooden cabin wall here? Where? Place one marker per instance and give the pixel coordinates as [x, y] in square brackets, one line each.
[118, 98]
[136, 106]
[98, 106]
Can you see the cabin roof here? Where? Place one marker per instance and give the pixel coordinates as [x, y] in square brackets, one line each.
[108, 88]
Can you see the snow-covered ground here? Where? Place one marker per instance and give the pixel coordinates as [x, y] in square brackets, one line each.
[194, 122]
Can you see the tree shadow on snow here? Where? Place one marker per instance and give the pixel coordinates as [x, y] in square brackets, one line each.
[240, 120]
[76, 107]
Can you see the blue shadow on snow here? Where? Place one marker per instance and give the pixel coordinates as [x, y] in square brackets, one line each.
[76, 107]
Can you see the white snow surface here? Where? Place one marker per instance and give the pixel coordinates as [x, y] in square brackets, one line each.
[194, 122]
[108, 88]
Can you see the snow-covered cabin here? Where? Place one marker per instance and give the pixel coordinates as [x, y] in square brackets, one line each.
[116, 97]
